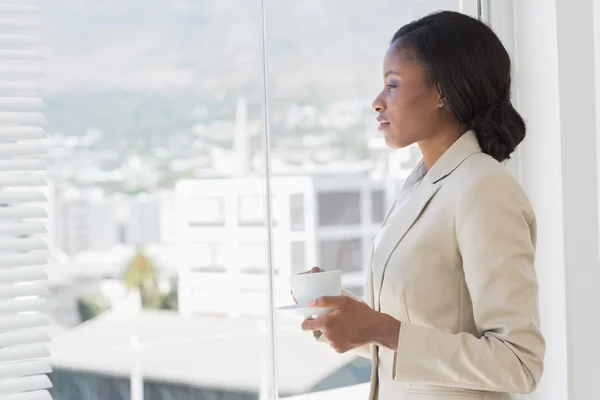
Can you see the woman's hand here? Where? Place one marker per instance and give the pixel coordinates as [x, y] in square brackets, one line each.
[353, 323]
[313, 270]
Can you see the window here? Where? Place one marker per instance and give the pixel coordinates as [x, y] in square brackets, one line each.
[339, 208]
[139, 99]
[345, 255]
[251, 257]
[208, 256]
[377, 206]
[206, 211]
[298, 257]
[297, 213]
[251, 211]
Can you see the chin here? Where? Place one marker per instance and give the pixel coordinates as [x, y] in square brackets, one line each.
[394, 141]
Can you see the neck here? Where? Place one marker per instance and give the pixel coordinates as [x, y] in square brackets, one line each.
[433, 148]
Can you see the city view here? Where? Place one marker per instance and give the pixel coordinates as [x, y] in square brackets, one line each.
[156, 163]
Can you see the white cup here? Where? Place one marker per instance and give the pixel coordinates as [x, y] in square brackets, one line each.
[306, 287]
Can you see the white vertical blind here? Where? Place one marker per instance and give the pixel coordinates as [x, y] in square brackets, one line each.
[23, 207]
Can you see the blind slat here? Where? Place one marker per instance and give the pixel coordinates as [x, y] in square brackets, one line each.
[22, 165]
[9, 307]
[21, 55]
[8, 150]
[22, 274]
[22, 103]
[7, 9]
[22, 321]
[25, 228]
[14, 23]
[24, 368]
[21, 197]
[21, 260]
[35, 395]
[19, 39]
[22, 179]
[24, 352]
[19, 87]
[21, 117]
[22, 244]
[32, 289]
[21, 71]
[23, 337]
[36, 382]
[22, 212]
[12, 133]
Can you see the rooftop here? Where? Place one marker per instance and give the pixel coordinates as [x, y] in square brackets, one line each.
[203, 351]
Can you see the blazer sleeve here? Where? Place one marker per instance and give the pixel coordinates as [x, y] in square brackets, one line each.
[364, 350]
[496, 235]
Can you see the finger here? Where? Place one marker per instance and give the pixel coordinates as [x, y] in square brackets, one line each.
[340, 349]
[313, 270]
[309, 325]
[329, 302]
[314, 324]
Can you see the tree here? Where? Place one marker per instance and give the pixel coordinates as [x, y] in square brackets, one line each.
[170, 301]
[91, 305]
[141, 274]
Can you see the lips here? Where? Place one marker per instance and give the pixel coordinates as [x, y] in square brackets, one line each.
[383, 123]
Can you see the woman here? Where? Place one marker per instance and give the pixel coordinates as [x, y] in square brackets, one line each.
[453, 304]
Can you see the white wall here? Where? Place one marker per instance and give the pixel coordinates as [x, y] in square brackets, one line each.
[554, 58]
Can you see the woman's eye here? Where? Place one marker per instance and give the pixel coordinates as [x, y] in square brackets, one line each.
[390, 86]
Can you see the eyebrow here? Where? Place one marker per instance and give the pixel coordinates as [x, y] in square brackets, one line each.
[390, 72]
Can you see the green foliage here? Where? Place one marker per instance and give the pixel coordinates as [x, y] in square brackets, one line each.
[91, 305]
[170, 301]
[151, 298]
[140, 273]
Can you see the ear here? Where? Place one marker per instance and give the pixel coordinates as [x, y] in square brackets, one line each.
[441, 100]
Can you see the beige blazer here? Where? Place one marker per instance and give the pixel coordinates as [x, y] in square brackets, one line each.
[456, 267]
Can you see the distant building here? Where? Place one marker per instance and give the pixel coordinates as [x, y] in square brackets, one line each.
[88, 220]
[324, 220]
[85, 220]
[200, 357]
[101, 272]
[151, 218]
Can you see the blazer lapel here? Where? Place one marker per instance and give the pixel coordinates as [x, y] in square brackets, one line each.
[399, 224]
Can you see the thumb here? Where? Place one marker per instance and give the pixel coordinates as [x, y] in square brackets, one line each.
[315, 270]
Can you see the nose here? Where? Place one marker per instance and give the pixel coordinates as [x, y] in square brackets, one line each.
[378, 105]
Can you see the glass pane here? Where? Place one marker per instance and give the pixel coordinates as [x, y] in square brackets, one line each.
[325, 69]
[158, 269]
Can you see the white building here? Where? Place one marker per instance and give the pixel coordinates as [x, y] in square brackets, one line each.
[151, 218]
[324, 220]
[90, 220]
[85, 220]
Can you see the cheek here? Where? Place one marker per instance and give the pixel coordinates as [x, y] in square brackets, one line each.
[411, 110]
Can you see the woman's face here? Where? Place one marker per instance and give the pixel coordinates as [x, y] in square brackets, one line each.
[409, 105]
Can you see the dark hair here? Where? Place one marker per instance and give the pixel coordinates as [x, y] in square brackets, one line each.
[471, 69]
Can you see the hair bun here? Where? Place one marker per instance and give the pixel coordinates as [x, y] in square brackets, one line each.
[499, 129]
